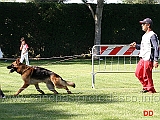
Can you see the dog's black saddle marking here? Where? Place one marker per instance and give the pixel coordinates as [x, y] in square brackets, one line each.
[41, 73]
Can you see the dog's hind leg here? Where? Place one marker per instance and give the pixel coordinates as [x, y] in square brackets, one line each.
[21, 89]
[50, 86]
[68, 91]
[38, 89]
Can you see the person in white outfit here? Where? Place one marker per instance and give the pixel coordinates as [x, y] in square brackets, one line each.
[24, 51]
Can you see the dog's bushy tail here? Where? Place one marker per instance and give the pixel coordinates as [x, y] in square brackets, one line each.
[71, 84]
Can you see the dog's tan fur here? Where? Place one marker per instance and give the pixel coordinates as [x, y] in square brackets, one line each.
[30, 76]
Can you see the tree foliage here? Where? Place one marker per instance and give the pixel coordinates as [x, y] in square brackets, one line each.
[36, 1]
[140, 1]
[50, 29]
[59, 1]
[53, 29]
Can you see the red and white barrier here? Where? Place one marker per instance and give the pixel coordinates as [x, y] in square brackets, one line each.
[129, 55]
[118, 50]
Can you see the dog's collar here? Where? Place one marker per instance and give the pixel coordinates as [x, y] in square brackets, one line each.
[25, 70]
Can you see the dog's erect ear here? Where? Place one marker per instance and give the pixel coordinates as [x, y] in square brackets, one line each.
[17, 61]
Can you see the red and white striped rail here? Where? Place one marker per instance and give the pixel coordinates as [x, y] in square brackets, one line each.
[118, 50]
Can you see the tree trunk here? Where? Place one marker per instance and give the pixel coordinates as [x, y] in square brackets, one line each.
[98, 18]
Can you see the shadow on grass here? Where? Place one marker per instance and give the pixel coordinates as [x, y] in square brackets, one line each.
[50, 106]
[79, 97]
[30, 111]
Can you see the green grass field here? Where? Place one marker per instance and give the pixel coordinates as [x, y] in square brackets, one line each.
[116, 95]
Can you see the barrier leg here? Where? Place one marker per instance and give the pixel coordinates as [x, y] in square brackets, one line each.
[93, 80]
[118, 64]
[93, 74]
[105, 64]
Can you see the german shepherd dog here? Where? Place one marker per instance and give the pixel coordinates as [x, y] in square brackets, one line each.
[35, 75]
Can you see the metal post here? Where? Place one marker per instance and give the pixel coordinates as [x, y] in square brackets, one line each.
[118, 64]
[99, 63]
[93, 74]
[105, 64]
[124, 63]
[130, 61]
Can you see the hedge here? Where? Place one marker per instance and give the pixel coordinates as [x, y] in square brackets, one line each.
[52, 29]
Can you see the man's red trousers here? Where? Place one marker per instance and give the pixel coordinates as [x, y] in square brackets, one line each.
[144, 74]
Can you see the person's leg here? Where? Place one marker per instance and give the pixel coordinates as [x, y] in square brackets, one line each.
[26, 59]
[22, 58]
[148, 66]
[139, 73]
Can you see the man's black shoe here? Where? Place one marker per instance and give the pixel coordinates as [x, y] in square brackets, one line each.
[144, 91]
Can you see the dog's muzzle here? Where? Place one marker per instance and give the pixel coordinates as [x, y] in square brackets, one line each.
[12, 69]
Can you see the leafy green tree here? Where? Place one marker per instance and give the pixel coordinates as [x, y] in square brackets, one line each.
[140, 1]
[59, 1]
[97, 16]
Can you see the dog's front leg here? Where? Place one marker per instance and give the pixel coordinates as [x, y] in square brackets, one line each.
[21, 89]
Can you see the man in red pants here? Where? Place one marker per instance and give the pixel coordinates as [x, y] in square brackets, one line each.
[149, 53]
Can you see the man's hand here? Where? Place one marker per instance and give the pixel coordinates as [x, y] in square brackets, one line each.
[133, 44]
[155, 64]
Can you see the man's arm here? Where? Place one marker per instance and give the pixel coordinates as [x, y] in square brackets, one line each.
[155, 42]
[137, 46]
